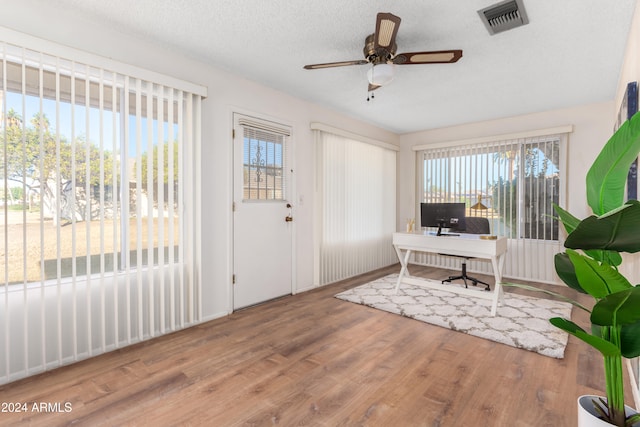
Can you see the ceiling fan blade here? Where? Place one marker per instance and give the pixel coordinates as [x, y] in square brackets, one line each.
[386, 30]
[372, 87]
[433, 57]
[336, 64]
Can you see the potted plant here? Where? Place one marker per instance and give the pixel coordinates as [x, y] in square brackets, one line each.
[590, 265]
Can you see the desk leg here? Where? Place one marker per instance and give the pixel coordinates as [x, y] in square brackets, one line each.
[404, 261]
[498, 296]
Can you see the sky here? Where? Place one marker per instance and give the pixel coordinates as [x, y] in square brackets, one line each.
[84, 126]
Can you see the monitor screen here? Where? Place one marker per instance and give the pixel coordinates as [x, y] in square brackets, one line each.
[443, 215]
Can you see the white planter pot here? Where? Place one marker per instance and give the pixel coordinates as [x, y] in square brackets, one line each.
[587, 416]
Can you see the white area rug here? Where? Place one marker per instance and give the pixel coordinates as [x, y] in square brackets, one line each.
[521, 322]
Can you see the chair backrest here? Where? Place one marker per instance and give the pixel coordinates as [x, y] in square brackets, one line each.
[476, 225]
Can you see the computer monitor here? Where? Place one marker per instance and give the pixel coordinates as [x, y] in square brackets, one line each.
[443, 215]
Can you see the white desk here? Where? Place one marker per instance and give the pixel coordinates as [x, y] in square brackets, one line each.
[470, 245]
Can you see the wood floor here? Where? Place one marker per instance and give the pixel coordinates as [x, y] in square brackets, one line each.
[312, 359]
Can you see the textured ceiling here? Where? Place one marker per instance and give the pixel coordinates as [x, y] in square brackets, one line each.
[569, 54]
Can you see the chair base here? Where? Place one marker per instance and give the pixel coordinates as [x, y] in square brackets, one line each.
[464, 277]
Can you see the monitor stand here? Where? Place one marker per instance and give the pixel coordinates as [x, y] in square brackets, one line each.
[441, 225]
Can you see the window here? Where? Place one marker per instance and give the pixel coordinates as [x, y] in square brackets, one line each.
[263, 154]
[90, 172]
[99, 183]
[514, 183]
[357, 204]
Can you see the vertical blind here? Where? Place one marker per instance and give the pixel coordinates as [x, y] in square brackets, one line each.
[514, 183]
[98, 178]
[356, 188]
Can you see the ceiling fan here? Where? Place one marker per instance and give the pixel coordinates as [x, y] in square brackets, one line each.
[380, 51]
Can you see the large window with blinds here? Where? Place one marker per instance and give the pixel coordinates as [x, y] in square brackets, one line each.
[97, 208]
[514, 183]
[90, 174]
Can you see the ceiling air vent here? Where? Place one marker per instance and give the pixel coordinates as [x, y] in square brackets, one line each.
[503, 16]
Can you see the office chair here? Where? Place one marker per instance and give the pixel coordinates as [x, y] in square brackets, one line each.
[473, 225]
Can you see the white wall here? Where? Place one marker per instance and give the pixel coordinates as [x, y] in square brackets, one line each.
[227, 93]
[593, 125]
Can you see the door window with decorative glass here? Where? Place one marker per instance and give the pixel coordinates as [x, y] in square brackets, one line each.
[263, 169]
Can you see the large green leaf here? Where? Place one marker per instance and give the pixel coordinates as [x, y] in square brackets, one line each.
[567, 272]
[603, 346]
[598, 280]
[610, 257]
[570, 223]
[608, 174]
[619, 308]
[618, 230]
[630, 340]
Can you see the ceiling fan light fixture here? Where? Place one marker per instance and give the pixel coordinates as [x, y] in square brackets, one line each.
[381, 74]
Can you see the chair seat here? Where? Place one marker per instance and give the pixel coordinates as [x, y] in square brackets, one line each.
[473, 225]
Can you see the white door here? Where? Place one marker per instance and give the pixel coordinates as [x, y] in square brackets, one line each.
[263, 215]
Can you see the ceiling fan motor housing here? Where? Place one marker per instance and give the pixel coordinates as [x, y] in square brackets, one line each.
[381, 55]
